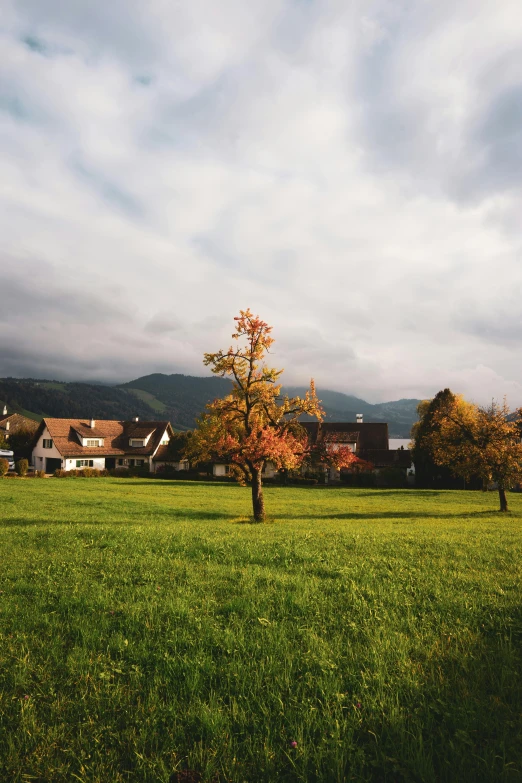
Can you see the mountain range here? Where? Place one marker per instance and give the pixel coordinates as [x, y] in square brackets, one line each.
[178, 398]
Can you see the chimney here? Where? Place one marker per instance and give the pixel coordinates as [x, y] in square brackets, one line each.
[136, 418]
[5, 410]
[359, 418]
[92, 425]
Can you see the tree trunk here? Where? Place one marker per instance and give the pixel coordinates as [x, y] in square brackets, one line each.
[503, 499]
[258, 503]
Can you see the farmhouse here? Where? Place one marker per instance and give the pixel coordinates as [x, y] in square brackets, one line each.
[368, 441]
[15, 422]
[80, 443]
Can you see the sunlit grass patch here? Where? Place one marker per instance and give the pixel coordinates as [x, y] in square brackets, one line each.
[146, 630]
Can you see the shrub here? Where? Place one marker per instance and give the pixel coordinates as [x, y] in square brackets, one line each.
[302, 481]
[88, 472]
[39, 474]
[4, 467]
[358, 479]
[119, 472]
[60, 473]
[21, 467]
[392, 478]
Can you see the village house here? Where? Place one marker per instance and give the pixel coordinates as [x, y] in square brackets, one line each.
[78, 443]
[368, 441]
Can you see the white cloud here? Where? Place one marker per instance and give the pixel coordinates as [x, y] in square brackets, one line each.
[343, 169]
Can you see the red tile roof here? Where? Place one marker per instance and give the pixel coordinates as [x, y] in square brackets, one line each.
[116, 435]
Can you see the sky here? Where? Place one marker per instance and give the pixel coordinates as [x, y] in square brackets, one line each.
[348, 169]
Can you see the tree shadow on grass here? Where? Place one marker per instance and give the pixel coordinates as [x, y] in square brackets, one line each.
[462, 722]
[420, 515]
[160, 516]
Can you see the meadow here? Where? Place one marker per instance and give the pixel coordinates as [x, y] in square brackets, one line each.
[149, 633]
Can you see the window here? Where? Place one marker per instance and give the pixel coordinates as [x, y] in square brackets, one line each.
[92, 443]
[121, 462]
[84, 463]
[47, 443]
[137, 443]
[139, 463]
[165, 442]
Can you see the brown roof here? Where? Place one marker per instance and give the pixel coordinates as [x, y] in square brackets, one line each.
[86, 431]
[162, 455]
[116, 435]
[17, 422]
[140, 429]
[370, 435]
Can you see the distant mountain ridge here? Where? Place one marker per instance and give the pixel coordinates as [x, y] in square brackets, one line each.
[178, 398]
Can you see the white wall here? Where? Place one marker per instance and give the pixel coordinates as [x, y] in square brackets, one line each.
[97, 462]
[39, 453]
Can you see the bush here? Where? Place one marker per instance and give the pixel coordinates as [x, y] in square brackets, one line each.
[119, 472]
[358, 479]
[39, 474]
[303, 481]
[21, 467]
[393, 478]
[60, 473]
[89, 472]
[4, 467]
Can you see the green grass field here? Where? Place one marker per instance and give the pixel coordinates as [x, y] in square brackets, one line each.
[147, 630]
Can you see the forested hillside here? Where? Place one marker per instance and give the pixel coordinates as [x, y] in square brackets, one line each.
[178, 398]
[70, 400]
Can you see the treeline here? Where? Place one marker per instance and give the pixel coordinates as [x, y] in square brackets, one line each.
[72, 400]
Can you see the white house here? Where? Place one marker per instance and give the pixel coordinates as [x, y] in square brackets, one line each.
[80, 443]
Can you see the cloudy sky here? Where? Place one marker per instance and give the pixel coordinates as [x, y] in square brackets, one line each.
[348, 169]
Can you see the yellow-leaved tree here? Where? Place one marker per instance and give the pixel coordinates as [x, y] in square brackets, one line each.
[480, 441]
[256, 423]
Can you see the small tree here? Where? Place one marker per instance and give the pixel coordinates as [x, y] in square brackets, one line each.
[21, 467]
[4, 467]
[480, 441]
[255, 423]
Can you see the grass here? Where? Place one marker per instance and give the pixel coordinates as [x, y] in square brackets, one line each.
[146, 630]
[149, 398]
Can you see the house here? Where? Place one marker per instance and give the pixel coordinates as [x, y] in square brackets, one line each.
[368, 441]
[80, 443]
[164, 458]
[15, 422]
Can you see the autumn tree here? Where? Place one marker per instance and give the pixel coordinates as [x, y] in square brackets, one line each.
[428, 473]
[483, 441]
[255, 423]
